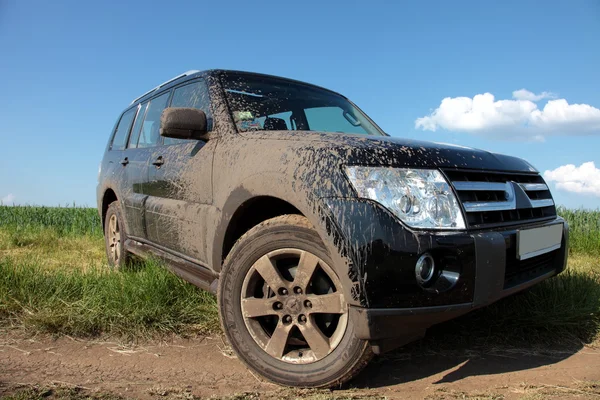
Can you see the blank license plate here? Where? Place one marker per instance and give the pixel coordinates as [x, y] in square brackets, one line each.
[533, 242]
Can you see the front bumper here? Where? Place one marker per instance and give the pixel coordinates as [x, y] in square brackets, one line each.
[388, 328]
[385, 251]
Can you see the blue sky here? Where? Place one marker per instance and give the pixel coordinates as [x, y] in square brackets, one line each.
[69, 67]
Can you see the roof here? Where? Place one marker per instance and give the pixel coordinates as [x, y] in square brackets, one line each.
[195, 73]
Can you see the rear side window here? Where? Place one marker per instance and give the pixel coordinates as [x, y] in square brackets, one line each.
[137, 126]
[194, 95]
[120, 137]
[150, 133]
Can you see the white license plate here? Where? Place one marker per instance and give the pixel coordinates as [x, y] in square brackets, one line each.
[536, 241]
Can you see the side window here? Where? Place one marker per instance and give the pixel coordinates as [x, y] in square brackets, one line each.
[332, 119]
[150, 133]
[137, 126]
[281, 121]
[194, 95]
[120, 137]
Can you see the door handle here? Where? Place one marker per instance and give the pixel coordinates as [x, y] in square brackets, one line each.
[125, 161]
[159, 161]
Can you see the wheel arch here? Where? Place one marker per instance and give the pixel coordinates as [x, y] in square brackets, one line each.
[109, 197]
[249, 214]
[235, 219]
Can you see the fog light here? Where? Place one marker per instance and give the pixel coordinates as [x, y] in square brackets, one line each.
[425, 269]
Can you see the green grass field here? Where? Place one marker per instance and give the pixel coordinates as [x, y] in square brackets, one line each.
[54, 279]
[584, 230]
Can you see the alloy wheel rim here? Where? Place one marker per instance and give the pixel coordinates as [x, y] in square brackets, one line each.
[293, 306]
[114, 238]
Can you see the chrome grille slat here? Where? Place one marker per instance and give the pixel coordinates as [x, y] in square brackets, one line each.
[477, 206]
[542, 203]
[530, 187]
[480, 186]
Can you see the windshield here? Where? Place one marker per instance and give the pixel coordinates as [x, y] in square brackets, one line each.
[261, 103]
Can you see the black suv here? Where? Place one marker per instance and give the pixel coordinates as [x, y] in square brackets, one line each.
[325, 239]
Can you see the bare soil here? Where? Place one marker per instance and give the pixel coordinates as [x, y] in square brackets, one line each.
[205, 367]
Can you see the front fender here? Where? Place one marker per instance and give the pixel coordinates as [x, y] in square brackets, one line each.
[314, 210]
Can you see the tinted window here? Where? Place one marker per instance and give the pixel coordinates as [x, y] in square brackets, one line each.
[277, 119]
[332, 119]
[194, 95]
[135, 132]
[150, 133]
[120, 137]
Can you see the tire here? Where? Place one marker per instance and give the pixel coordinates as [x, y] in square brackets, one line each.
[114, 241]
[273, 245]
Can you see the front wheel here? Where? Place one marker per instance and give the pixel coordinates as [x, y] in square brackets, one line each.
[283, 309]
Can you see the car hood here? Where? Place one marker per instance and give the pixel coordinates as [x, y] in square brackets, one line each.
[399, 152]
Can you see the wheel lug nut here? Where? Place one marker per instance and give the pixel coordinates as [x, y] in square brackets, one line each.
[298, 290]
[277, 305]
[287, 319]
[307, 304]
[283, 291]
[302, 318]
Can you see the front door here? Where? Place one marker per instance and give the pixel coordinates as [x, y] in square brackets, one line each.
[180, 184]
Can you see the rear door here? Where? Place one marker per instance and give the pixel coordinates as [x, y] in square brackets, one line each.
[135, 163]
[129, 166]
[135, 160]
[142, 144]
[180, 184]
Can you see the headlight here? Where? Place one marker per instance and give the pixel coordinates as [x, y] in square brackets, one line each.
[421, 198]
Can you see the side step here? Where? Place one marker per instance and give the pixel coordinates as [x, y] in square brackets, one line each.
[194, 273]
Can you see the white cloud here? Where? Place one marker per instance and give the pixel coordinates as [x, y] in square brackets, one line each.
[8, 200]
[584, 179]
[524, 94]
[520, 118]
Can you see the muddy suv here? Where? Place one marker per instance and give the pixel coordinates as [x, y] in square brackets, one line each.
[325, 239]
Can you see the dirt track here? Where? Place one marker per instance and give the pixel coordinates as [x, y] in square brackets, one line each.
[205, 367]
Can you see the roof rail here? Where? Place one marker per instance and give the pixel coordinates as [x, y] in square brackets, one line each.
[190, 72]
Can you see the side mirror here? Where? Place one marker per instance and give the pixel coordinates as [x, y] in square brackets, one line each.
[183, 123]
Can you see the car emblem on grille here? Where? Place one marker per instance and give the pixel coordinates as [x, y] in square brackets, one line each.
[518, 196]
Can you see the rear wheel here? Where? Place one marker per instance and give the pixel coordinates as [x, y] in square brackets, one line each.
[283, 309]
[115, 237]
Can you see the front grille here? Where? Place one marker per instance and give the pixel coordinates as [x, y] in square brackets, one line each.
[500, 198]
[519, 271]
